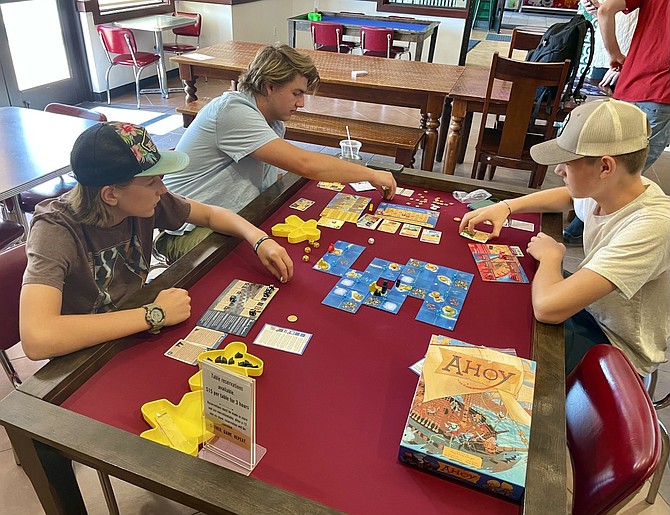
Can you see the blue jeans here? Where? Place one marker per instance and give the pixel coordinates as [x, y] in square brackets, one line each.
[659, 119]
[581, 333]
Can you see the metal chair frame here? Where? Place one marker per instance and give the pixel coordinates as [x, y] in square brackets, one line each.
[375, 42]
[137, 57]
[192, 31]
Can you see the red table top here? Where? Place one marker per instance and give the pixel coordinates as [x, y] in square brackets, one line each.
[332, 419]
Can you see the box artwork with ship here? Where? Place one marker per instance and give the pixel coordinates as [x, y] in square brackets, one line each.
[470, 417]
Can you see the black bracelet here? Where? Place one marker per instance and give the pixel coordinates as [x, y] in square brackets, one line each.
[258, 243]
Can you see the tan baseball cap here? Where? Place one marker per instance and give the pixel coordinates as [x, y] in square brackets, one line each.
[599, 128]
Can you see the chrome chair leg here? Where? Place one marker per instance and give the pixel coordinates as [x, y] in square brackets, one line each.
[663, 462]
[109, 97]
[9, 369]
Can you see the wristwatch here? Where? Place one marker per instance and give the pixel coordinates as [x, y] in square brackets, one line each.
[155, 317]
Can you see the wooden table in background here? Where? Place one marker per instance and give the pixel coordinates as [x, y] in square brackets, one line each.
[405, 29]
[34, 148]
[392, 82]
[468, 96]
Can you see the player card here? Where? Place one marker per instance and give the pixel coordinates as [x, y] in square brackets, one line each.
[524, 226]
[330, 222]
[361, 186]
[389, 226]
[302, 204]
[475, 235]
[334, 186]
[186, 351]
[516, 251]
[368, 221]
[431, 236]
[205, 337]
[497, 263]
[410, 230]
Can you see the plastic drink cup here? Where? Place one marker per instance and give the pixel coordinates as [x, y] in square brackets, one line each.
[350, 149]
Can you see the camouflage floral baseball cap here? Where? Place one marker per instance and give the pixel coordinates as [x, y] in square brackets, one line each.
[115, 152]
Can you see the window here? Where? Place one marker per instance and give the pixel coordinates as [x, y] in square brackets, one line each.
[109, 11]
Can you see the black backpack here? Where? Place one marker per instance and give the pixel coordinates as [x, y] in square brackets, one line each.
[564, 41]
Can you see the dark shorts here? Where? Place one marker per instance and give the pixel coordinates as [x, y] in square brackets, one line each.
[581, 333]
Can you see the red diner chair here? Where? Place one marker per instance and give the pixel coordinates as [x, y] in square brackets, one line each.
[377, 42]
[10, 232]
[613, 433]
[12, 265]
[192, 31]
[120, 41]
[327, 37]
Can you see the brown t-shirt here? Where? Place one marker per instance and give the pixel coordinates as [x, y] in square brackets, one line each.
[95, 268]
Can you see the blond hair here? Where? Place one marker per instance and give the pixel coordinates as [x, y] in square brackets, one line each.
[277, 64]
[88, 206]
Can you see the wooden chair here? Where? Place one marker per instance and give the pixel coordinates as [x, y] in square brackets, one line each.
[524, 38]
[613, 433]
[377, 42]
[192, 31]
[510, 144]
[327, 37]
[120, 41]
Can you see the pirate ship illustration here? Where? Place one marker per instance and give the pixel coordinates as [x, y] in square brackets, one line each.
[471, 412]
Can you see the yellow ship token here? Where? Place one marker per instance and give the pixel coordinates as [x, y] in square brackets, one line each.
[292, 318]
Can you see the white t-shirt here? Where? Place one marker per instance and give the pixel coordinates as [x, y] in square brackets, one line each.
[631, 248]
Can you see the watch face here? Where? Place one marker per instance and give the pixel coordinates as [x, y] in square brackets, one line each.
[156, 315]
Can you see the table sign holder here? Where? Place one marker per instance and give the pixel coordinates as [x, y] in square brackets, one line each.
[229, 411]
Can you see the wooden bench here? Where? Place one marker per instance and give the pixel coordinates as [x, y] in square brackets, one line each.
[319, 129]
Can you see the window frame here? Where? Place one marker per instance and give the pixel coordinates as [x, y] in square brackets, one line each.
[164, 7]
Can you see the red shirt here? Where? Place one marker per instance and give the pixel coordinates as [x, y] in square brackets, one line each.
[645, 76]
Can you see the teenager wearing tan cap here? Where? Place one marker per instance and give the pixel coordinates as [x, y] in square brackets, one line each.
[621, 292]
[90, 249]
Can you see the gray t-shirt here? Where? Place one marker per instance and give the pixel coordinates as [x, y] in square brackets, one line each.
[95, 268]
[221, 171]
[631, 248]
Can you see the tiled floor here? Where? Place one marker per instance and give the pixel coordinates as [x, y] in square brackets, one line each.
[17, 496]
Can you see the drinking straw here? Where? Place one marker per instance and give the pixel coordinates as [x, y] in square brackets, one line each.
[351, 147]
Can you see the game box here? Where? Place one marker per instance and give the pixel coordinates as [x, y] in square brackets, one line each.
[470, 417]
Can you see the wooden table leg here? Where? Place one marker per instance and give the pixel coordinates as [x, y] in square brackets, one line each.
[458, 111]
[50, 473]
[433, 113]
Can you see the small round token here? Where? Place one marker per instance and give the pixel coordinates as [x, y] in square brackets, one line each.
[305, 258]
[292, 318]
[371, 241]
[316, 244]
[308, 250]
[457, 219]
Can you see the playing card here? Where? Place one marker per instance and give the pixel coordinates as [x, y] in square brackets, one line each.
[302, 204]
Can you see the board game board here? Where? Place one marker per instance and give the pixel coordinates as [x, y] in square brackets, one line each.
[497, 263]
[345, 207]
[407, 214]
[340, 259]
[385, 285]
[236, 310]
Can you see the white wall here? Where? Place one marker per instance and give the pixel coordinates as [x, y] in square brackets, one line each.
[262, 22]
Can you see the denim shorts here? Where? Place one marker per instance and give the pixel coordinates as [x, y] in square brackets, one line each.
[659, 118]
